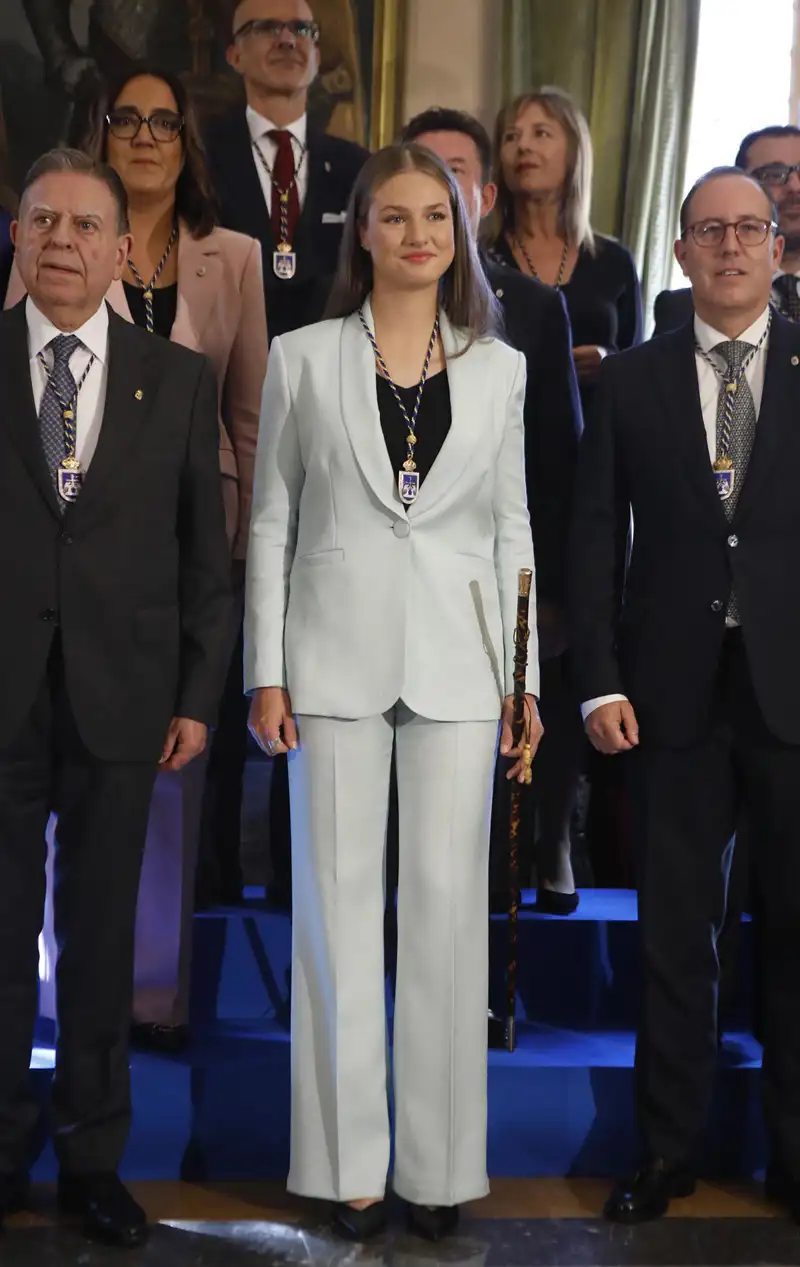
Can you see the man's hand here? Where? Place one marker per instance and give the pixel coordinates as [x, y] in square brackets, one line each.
[271, 721]
[613, 728]
[533, 729]
[185, 740]
[588, 359]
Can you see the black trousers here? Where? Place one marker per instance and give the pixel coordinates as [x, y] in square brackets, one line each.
[687, 803]
[102, 809]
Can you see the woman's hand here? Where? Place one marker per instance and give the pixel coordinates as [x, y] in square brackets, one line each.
[532, 732]
[588, 360]
[271, 722]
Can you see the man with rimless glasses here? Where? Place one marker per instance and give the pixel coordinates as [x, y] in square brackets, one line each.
[772, 156]
[691, 677]
[276, 178]
[288, 186]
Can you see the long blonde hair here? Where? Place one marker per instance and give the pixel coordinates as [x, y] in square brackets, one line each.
[576, 194]
[465, 295]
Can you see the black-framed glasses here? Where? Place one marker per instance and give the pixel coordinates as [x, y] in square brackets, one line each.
[273, 29]
[749, 232]
[775, 173]
[126, 124]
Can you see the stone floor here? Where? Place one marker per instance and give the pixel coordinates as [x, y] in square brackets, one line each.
[547, 1223]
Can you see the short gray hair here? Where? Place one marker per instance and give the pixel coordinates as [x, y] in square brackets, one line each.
[70, 160]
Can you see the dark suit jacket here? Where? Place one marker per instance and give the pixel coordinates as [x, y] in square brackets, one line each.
[645, 449]
[537, 325]
[672, 309]
[137, 572]
[333, 166]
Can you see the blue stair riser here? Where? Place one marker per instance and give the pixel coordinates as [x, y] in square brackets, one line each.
[229, 1120]
[576, 973]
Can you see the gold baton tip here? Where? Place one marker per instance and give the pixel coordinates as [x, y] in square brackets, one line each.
[525, 581]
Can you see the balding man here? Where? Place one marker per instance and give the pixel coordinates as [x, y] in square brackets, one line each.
[694, 681]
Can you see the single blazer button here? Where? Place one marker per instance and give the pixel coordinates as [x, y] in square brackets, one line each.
[402, 528]
[716, 606]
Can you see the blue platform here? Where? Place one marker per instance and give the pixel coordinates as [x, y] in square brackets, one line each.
[560, 1105]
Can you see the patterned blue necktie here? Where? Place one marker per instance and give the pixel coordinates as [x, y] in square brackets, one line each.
[59, 390]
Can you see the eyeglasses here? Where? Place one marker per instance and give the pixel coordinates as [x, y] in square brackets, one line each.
[775, 173]
[165, 125]
[712, 232]
[273, 28]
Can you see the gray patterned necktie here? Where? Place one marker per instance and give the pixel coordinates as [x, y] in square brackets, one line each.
[59, 390]
[743, 430]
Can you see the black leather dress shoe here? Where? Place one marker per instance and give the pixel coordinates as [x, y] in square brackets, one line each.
[108, 1211]
[549, 902]
[166, 1040]
[359, 1225]
[648, 1194]
[15, 1191]
[433, 1222]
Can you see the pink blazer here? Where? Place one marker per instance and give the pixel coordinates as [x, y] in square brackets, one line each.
[221, 313]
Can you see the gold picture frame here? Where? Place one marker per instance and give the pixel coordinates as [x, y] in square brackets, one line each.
[388, 50]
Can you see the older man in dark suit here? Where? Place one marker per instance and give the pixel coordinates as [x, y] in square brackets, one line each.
[116, 602]
[694, 677]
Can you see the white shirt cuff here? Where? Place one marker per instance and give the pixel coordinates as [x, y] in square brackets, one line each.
[592, 704]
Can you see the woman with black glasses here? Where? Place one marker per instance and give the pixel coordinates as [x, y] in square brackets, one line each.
[200, 286]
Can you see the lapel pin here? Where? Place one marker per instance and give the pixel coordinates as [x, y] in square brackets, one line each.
[796, 360]
[327, 166]
[201, 272]
[139, 394]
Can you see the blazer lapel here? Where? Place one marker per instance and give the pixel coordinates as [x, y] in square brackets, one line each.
[359, 402]
[466, 404]
[245, 183]
[682, 415]
[199, 281]
[777, 417]
[308, 224]
[19, 411]
[128, 399]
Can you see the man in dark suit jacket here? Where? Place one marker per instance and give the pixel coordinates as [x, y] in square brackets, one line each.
[536, 323]
[116, 579]
[269, 147]
[772, 155]
[692, 671]
[6, 251]
[255, 154]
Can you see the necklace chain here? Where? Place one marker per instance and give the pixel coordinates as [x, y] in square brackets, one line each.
[731, 383]
[150, 286]
[283, 194]
[520, 245]
[411, 422]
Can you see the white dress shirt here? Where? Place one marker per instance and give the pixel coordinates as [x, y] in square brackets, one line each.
[259, 127]
[709, 385]
[92, 396]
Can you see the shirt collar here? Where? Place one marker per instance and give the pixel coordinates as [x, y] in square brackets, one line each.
[708, 337]
[259, 126]
[93, 334]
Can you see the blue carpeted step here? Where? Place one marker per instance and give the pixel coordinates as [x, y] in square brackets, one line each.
[580, 972]
[560, 1105]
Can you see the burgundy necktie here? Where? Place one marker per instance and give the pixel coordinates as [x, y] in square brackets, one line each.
[283, 179]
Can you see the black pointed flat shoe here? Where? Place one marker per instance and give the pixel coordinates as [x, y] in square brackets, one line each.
[433, 1223]
[359, 1225]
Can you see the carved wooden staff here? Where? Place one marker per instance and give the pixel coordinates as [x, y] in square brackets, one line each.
[521, 635]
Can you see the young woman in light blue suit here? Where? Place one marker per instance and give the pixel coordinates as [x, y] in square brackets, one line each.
[389, 527]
